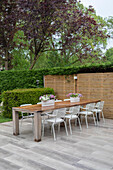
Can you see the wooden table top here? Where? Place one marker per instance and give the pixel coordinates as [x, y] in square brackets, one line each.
[58, 105]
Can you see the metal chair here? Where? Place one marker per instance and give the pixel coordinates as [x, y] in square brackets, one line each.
[88, 112]
[73, 115]
[56, 120]
[99, 109]
[26, 115]
[58, 101]
[51, 114]
[66, 100]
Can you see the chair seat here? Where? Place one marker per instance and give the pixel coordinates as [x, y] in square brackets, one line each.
[69, 116]
[55, 120]
[86, 113]
[96, 110]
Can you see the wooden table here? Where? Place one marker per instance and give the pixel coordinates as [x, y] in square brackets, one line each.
[38, 110]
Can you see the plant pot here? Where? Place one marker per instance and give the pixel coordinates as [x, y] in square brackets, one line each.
[48, 103]
[74, 99]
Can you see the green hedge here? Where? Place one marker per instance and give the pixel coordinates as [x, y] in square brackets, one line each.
[17, 97]
[10, 80]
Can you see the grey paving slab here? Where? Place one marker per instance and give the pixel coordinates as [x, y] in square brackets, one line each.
[89, 149]
[6, 165]
[27, 163]
[4, 153]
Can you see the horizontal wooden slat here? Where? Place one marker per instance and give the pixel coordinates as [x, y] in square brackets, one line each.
[90, 85]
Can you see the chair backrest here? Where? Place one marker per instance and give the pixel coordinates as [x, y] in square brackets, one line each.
[22, 105]
[87, 106]
[97, 105]
[66, 99]
[76, 110]
[71, 109]
[101, 105]
[60, 112]
[58, 100]
[39, 103]
[25, 105]
[90, 107]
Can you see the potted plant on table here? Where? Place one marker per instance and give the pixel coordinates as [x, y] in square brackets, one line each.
[47, 99]
[74, 97]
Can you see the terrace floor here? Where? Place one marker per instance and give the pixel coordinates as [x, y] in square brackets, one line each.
[89, 149]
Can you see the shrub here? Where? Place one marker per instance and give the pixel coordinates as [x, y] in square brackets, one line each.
[17, 97]
[0, 98]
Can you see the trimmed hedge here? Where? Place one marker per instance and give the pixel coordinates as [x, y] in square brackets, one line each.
[10, 80]
[17, 97]
[24, 79]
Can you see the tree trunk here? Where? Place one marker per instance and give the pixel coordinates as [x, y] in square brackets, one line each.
[8, 65]
[6, 59]
[34, 62]
[32, 65]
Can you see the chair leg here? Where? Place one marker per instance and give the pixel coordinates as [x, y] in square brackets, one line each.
[70, 126]
[22, 119]
[59, 127]
[53, 131]
[97, 117]
[103, 117]
[81, 119]
[94, 119]
[76, 122]
[86, 121]
[33, 124]
[66, 128]
[43, 129]
[79, 123]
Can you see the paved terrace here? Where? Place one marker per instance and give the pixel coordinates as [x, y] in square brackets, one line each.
[89, 149]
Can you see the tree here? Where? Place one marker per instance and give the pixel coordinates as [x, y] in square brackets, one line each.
[109, 55]
[109, 24]
[61, 25]
[21, 54]
[9, 13]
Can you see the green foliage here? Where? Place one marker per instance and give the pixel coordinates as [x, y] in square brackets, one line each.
[10, 80]
[4, 119]
[50, 59]
[27, 79]
[20, 54]
[109, 55]
[17, 97]
[0, 98]
[109, 24]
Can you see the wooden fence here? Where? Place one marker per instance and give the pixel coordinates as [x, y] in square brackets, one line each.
[90, 85]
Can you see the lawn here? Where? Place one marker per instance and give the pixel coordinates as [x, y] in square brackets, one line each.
[3, 119]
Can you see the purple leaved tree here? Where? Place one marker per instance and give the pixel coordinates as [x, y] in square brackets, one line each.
[9, 13]
[50, 25]
[61, 25]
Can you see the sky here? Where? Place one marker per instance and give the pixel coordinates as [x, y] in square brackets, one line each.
[104, 8]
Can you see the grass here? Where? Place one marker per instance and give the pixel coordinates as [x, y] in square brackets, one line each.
[4, 119]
